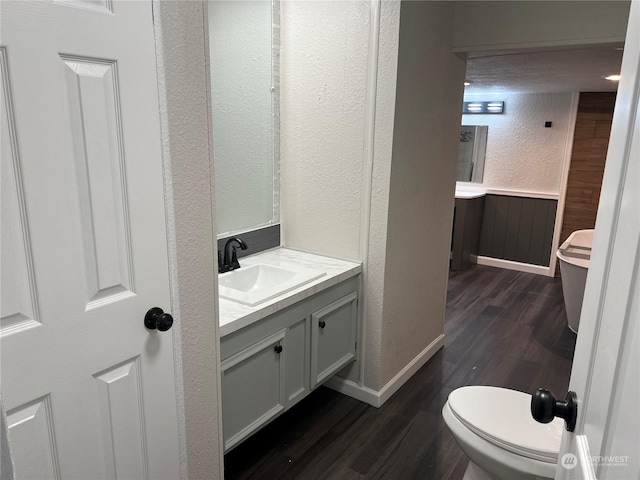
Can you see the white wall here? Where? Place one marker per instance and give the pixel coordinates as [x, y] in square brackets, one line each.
[385, 103]
[423, 170]
[323, 78]
[522, 154]
[482, 25]
[418, 100]
[183, 84]
[241, 77]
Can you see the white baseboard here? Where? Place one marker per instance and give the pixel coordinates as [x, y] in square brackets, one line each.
[377, 399]
[353, 390]
[510, 265]
[407, 372]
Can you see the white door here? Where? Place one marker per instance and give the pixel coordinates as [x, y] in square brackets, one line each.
[605, 375]
[89, 391]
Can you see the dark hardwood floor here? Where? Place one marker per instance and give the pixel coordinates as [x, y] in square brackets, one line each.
[502, 328]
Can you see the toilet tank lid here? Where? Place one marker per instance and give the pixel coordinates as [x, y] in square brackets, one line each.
[503, 417]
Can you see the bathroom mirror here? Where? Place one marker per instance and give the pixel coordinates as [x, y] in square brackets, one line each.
[471, 153]
[244, 64]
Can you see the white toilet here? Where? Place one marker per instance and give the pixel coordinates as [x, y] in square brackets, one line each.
[495, 429]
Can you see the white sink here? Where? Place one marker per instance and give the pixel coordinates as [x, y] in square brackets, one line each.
[254, 284]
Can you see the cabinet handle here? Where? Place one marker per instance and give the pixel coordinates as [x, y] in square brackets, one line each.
[321, 324]
[277, 348]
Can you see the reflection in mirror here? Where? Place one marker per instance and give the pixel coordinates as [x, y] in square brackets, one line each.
[244, 55]
[471, 153]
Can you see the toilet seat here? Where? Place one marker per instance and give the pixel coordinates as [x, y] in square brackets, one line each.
[503, 418]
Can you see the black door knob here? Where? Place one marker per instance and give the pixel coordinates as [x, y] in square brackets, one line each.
[157, 319]
[544, 407]
[278, 348]
[321, 324]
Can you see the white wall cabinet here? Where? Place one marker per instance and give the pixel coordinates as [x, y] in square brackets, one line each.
[270, 365]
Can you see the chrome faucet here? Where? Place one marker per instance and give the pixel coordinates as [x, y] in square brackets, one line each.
[230, 261]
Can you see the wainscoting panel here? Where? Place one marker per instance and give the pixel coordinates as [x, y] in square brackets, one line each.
[467, 222]
[519, 229]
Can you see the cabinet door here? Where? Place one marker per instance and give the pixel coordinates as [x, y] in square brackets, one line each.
[252, 388]
[297, 362]
[333, 337]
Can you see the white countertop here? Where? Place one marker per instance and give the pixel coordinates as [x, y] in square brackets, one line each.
[234, 316]
[467, 194]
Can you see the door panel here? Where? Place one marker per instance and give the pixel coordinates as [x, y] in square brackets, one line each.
[121, 420]
[89, 390]
[33, 443]
[19, 303]
[94, 106]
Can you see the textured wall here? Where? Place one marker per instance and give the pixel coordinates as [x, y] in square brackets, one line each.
[240, 46]
[183, 83]
[381, 176]
[482, 24]
[323, 78]
[324, 70]
[423, 169]
[521, 153]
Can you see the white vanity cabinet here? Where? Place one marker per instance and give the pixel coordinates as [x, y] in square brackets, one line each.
[272, 364]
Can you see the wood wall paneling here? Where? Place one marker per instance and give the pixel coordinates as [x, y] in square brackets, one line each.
[590, 144]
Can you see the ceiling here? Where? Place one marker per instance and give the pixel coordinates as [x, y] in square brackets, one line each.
[570, 70]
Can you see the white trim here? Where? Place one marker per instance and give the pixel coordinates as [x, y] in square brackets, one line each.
[511, 265]
[367, 169]
[214, 228]
[353, 390]
[412, 367]
[584, 458]
[540, 44]
[475, 187]
[377, 399]
[172, 248]
[564, 179]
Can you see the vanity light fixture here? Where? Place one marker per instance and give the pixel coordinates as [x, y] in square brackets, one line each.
[613, 78]
[483, 107]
